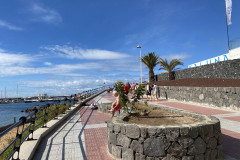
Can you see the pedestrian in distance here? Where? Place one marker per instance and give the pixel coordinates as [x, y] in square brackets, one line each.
[126, 88]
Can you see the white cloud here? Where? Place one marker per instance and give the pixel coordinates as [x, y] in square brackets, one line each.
[12, 59]
[91, 54]
[181, 56]
[9, 26]
[60, 87]
[48, 63]
[45, 14]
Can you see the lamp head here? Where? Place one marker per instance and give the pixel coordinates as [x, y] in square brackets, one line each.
[138, 46]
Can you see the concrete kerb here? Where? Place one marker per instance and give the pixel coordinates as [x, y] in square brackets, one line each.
[28, 148]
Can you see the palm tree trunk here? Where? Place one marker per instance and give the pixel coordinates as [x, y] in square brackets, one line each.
[170, 77]
[151, 76]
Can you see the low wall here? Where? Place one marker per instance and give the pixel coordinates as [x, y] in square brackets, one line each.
[198, 140]
[104, 107]
[226, 69]
[216, 96]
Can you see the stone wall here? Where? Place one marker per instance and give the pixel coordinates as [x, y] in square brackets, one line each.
[225, 69]
[215, 96]
[104, 107]
[198, 140]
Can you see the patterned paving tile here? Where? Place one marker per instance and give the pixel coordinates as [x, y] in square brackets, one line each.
[194, 108]
[235, 118]
[90, 116]
[96, 144]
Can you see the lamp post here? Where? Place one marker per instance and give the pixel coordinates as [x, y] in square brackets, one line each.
[140, 61]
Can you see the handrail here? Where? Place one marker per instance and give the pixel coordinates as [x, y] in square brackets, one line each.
[41, 116]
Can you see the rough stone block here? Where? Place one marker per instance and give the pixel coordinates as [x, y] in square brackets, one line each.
[123, 129]
[154, 147]
[212, 143]
[193, 132]
[123, 140]
[112, 137]
[219, 139]
[198, 147]
[117, 151]
[136, 146]
[110, 127]
[211, 154]
[185, 142]
[170, 157]
[201, 97]
[206, 132]
[109, 147]
[132, 131]
[220, 152]
[177, 150]
[172, 133]
[117, 128]
[139, 156]
[127, 154]
[199, 157]
[152, 132]
[188, 158]
[184, 131]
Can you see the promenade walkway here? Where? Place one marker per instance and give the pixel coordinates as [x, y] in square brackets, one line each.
[84, 135]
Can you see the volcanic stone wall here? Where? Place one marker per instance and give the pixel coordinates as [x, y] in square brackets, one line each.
[198, 140]
[226, 69]
[217, 96]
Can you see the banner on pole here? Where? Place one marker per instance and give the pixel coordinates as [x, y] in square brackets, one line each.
[228, 11]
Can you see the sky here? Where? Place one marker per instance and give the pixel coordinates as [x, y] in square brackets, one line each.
[63, 47]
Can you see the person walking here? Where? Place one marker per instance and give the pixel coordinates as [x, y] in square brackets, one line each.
[155, 88]
[148, 91]
[133, 86]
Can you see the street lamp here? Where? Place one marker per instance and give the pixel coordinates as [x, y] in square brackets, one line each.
[140, 62]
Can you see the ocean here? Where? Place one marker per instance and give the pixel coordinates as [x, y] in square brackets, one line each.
[11, 110]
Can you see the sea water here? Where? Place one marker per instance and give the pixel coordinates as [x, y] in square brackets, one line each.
[11, 110]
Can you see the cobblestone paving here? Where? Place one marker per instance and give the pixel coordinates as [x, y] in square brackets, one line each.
[84, 135]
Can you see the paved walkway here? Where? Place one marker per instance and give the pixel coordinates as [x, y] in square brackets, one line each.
[84, 135]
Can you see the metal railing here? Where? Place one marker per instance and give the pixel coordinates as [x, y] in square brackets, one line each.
[36, 119]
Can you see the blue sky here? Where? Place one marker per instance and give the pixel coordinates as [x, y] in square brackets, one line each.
[63, 47]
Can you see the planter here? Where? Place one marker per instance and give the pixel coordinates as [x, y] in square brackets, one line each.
[198, 140]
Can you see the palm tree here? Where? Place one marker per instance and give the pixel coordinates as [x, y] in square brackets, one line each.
[170, 67]
[150, 60]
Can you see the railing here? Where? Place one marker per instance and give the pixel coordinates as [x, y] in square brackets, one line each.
[37, 118]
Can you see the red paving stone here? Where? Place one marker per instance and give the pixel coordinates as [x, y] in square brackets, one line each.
[231, 143]
[95, 118]
[235, 118]
[96, 144]
[202, 110]
[109, 96]
[92, 101]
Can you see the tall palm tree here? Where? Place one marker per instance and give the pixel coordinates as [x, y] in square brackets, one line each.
[170, 67]
[150, 60]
